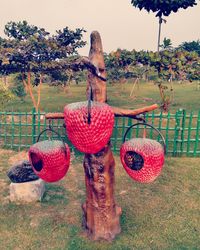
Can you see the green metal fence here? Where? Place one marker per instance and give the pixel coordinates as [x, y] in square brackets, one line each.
[18, 130]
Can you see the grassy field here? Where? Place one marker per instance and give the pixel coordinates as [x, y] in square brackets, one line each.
[161, 215]
[186, 96]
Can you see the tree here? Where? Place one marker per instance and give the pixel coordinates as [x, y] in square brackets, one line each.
[162, 8]
[191, 46]
[31, 50]
[167, 44]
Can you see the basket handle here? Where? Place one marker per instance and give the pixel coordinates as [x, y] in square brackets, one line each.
[52, 130]
[148, 125]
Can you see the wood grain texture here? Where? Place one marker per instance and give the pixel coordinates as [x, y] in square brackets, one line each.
[100, 213]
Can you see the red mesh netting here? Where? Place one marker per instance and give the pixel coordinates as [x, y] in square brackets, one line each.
[142, 159]
[89, 137]
[50, 160]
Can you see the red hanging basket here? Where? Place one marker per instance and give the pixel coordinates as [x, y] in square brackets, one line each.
[50, 159]
[89, 129]
[142, 158]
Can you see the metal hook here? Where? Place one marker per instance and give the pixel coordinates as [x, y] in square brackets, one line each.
[55, 132]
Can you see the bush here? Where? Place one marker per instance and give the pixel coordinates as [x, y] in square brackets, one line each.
[18, 87]
[5, 96]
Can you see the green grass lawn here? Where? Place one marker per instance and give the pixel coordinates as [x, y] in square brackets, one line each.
[54, 99]
[162, 215]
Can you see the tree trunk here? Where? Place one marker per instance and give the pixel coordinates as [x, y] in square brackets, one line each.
[100, 213]
[29, 89]
[159, 33]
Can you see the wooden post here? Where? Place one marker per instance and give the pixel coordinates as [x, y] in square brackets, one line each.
[101, 215]
[96, 58]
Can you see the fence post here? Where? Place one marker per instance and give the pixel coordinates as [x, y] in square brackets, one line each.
[33, 125]
[12, 129]
[177, 129]
[183, 130]
[167, 131]
[197, 134]
[115, 134]
[189, 133]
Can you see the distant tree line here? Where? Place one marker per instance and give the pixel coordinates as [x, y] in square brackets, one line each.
[181, 63]
[34, 56]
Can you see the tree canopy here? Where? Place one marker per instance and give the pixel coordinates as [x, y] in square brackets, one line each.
[163, 8]
[191, 46]
[32, 50]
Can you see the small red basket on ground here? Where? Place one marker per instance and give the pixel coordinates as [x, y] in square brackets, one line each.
[89, 129]
[50, 159]
[142, 158]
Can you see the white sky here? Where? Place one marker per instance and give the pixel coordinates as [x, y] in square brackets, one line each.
[119, 23]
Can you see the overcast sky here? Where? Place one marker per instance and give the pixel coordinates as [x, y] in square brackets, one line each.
[119, 23]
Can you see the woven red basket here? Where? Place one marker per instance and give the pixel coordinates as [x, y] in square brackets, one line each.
[142, 159]
[50, 159]
[89, 132]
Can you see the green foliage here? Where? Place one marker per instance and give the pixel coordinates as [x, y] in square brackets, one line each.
[67, 37]
[65, 77]
[79, 76]
[131, 64]
[22, 30]
[18, 87]
[118, 64]
[167, 44]
[191, 46]
[33, 49]
[163, 8]
[5, 96]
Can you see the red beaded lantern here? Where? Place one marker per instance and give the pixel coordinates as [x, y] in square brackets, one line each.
[50, 159]
[142, 159]
[89, 129]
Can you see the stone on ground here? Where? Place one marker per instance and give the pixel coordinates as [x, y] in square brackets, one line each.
[31, 191]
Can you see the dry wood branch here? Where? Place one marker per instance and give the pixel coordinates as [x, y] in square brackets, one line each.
[54, 116]
[31, 91]
[117, 111]
[28, 88]
[133, 112]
